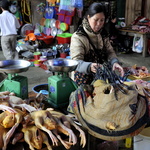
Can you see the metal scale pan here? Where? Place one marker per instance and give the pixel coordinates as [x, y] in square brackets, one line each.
[61, 85]
[14, 66]
[62, 65]
[15, 83]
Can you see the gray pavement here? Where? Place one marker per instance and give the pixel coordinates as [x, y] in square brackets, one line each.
[135, 58]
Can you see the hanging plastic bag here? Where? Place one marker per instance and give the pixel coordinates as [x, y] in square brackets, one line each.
[67, 5]
[36, 30]
[137, 43]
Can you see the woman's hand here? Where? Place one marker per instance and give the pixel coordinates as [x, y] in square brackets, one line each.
[94, 67]
[116, 66]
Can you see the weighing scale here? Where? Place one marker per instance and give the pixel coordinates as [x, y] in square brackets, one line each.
[14, 82]
[60, 85]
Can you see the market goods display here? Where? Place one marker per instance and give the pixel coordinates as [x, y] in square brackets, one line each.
[119, 109]
[138, 72]
[28, 121]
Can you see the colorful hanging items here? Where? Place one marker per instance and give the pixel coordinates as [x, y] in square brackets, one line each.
[52, 2]
[67, 5]
[14, 9]
[79, 6]
[49, 11]
[19, 17]
[40, 8]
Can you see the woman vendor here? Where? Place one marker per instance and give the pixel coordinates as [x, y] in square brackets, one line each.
[90, 45]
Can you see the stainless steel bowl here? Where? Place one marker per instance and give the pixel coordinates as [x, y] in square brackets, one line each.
[61, 65]
[53, 31]
[14, 66]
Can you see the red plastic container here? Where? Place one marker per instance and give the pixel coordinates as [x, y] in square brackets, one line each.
[46, 39]
[61, 17]
[63, 55]
[64, 38]
[37, 55]
[28, 32]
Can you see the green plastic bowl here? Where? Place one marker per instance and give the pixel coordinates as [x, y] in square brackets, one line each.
[64, 26]
[64, 35]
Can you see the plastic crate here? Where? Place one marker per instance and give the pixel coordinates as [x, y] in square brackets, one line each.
[46, 39]
[68, 20]
[64, 38]
[61, 17]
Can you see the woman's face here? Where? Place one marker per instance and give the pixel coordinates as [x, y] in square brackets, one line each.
[97, 21]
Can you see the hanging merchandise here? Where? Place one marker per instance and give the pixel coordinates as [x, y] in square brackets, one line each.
[61, 15]
[64, 26]
[59, 31]
[67, 5]
[52, 2]
[79, 6]
[52, 23]
[44, 30]
[14, 8]
[49, 11]
[26, 11]
[57, 2]
[53, 31]
[40, 8]
[48, 31]
[19, 17]
[41, 28]
[57, 24]
[47, 23]
[36, 30]
[42, 21]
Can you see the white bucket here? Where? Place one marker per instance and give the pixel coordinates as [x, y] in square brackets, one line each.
[142, 140]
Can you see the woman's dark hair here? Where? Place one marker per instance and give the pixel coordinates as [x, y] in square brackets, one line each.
[95, 8]
[5, 4]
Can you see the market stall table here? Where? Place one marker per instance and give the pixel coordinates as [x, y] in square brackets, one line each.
[131, 32]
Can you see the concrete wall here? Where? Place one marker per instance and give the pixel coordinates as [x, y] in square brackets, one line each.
[36, 17]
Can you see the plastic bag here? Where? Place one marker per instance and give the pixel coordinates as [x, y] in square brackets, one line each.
[137, 43]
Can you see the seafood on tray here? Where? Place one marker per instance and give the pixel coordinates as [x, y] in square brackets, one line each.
[28, 121]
